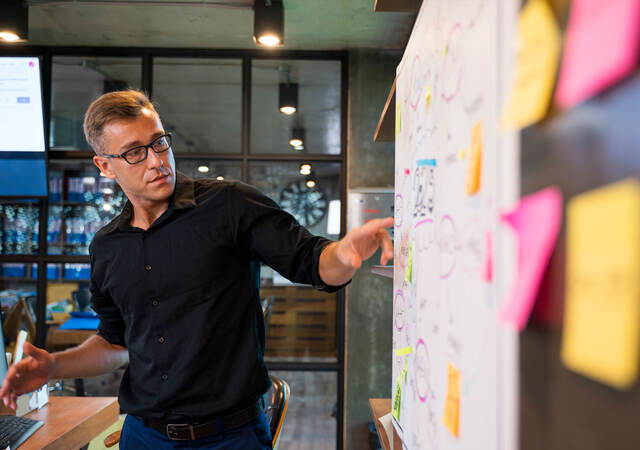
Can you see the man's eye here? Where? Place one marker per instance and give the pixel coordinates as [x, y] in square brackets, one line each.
[135, 153]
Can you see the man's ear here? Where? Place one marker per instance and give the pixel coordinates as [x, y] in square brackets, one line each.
[104, 165]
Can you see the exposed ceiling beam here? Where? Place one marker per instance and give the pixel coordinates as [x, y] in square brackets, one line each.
[397, 5]
[226, 4]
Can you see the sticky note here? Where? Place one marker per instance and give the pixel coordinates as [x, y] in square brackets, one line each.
[408, 275]
[601, 48]
[451, 416]
[602, 311]
[474, 169]
[428, 96]
[404, 351]
[398, 118]
[536, 222]
[487, 261]
[537, 64]
[397, 399]
[462, 154]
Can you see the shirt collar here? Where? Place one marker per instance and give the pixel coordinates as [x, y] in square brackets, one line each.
[183, 197]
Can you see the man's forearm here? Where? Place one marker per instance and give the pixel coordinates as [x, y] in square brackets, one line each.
[93, 357]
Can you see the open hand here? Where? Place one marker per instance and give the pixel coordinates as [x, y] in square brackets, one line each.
[27, 375]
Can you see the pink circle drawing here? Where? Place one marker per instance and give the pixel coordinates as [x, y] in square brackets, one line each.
[422, 371]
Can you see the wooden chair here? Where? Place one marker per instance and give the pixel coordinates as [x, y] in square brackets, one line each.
[277, 400]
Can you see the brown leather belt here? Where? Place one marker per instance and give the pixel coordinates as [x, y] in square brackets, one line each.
[192, 431]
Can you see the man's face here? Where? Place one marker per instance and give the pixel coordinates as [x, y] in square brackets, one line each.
[146, 183]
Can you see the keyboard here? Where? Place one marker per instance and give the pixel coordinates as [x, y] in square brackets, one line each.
[15, 430]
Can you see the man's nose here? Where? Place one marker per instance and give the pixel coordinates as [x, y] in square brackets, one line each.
[153, 159]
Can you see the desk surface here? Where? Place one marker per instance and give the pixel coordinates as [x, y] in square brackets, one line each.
[379, 408]
[71, 422]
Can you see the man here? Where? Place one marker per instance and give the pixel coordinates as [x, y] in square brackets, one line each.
[175, 282]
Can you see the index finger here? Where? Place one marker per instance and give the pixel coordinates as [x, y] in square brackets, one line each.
[385, 222]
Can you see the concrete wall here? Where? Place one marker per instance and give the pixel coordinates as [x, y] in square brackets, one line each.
[369, 297]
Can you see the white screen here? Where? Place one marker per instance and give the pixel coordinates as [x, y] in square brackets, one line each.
[21, 124]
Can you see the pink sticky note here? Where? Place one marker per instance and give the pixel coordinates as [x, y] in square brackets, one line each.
[536, 221]
[600, 49]
[487, 262]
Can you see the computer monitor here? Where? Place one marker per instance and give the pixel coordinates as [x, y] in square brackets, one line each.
[22, 138]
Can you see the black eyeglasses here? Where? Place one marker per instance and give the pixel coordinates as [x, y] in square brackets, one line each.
[138, 154]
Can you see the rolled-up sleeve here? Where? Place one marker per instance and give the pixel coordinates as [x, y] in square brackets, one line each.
[273, 236]
[112, 325]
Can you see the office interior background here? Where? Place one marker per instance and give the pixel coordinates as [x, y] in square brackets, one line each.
[219, 94]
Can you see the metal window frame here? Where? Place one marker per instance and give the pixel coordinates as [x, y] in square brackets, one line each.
[245, 157]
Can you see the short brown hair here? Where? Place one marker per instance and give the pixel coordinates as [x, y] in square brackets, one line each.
[118, 105]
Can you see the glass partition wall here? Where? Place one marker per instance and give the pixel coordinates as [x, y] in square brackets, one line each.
[225, 111]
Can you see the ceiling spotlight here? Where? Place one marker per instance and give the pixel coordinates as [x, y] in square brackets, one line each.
[288, 98]
[219, 178]
[14, 21]
[268, 22]
[305, 169]
[311, 183]
[297, 138]
[203, 168]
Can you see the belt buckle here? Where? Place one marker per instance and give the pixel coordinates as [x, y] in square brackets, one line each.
[173, 430]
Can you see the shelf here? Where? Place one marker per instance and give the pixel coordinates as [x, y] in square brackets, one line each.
[410, 6]
[386, 129]
[385, 271]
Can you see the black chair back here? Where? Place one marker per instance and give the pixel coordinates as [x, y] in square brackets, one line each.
[276, 406]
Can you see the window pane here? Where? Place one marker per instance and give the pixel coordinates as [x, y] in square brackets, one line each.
[311, 418]
[76, 82]
[318, 109]
[19, 227]
[200, 101]
[311, 206]
[302, 325]
[80, 203]
[229, 170]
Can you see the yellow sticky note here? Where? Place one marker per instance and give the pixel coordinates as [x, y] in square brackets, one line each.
[404, 351]
[408, 275]
[451, 416]
[602, 311]
[398, 118]
[397, 399]
[428, 96]
[538, 54]
[462, 154]
[474, 169]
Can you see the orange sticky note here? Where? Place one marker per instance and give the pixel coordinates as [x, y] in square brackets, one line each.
[451, 416]
[474, 169]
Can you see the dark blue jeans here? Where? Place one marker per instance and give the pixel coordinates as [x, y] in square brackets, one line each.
[253, 435]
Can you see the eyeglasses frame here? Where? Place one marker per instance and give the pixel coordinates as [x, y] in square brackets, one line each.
[146, 148]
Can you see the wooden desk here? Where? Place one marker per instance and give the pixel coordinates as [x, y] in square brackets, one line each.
[71, 422]
[58, 339]
[379, 408]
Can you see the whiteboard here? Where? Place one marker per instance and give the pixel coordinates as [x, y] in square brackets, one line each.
[452, 80]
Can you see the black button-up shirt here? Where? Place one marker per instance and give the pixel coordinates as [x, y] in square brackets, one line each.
[183, 296]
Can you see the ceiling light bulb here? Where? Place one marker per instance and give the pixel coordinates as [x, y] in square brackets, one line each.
[305, 166]
[269, 40]
[9, 36]
[311, 184]
[295, 142]
[219, 178]
[203, 169]
[288, 110]
[106, 207]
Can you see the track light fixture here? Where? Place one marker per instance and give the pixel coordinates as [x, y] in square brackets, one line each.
[311, 181]
[203, 167]
[268, 23]
[305, 169]
[14, 21]
[288, 98]
[297, 138]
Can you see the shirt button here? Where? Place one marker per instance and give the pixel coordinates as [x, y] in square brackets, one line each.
[161, 340]
[155, 302]
[147, 267]
[164, 377]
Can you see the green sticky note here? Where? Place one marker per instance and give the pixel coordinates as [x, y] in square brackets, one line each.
[397, 399]
[398, 118]
[408, 274]
[405, 369]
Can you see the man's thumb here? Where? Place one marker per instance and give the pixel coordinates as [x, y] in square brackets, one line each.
[32, 350]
